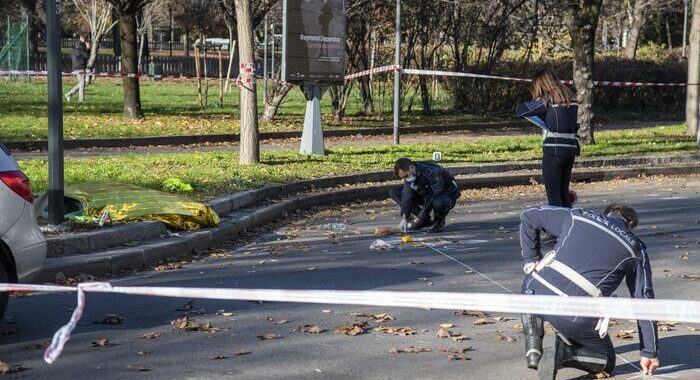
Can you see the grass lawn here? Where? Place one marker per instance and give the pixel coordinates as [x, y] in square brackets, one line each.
[172, 108]
[217, 173]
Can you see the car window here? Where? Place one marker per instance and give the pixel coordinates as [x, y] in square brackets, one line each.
[7, 162]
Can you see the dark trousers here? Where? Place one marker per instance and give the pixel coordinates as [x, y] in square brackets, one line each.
[589, 351]
[556, 173]
[442, 204]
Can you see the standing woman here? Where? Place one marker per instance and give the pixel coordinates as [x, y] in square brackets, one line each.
[554, 109]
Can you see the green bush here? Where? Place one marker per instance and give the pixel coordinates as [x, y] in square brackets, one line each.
[176, 185]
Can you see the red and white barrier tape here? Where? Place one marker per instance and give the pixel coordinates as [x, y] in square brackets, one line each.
[621, 308]
[103, 74]
[513, 79]
[375, 70]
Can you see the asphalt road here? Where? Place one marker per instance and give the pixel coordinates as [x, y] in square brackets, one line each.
[307, 253]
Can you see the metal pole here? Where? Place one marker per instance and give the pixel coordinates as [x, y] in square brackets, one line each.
[265, 63]
[685, 24]
[272, 58]
[397, 73]
[170, 26]
[53, 44]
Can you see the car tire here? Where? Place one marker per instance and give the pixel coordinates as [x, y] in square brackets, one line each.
[4, 296]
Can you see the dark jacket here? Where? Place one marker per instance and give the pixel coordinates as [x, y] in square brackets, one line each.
[561, 125]
[79, 56]
[600, 248]
[431, 180]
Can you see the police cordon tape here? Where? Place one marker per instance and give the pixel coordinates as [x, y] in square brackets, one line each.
[377, 70]
[621, 308]
[513, 79]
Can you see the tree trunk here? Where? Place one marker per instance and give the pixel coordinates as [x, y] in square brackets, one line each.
[250, 146]
[132, 95]
[691, 103]
[187, 43]
[583, 21]
[366, 93]
[635, 19]
[279, 92]
[94, 48]
[425, 95]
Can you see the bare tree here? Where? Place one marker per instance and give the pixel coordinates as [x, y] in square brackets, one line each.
[149, 14]
[583, 21]
[250, 145]
[97, 14]
[127, 11]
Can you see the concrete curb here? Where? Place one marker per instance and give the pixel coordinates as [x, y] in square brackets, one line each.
[33, 145]
[132, 233]
[150, 253]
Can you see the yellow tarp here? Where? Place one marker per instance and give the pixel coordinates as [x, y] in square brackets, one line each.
[131, 203]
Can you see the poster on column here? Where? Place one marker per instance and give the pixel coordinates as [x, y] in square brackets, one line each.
[313, 41]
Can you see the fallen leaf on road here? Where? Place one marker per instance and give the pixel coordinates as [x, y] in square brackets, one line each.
[151, 335]
[311, 329]
[447, 325]
[690, 277]
[356, 328]
[602, 375]
[382, 231]
[469, 313]
[225, 313]
[409, 350]
[269, 336]
[400, 331]
[218, 357]
[500, 336]
[7, 368]
[171, 266]
[242, 353]
[624, 334]
[452, 357]
[457, 350]
[111, 319]
[382, 317]
[277, 322]
[37, 346]
[144, 353]
[482, 321]
[181, 323]
[666, 326]
[102, 343]
[186, 324]
[445, 333]
[503, 319]
[138, 368]
[407, 239]
[518, 326]
[614, 322]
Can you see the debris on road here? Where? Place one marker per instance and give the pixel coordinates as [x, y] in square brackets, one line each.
[310, 329]
[400, 331]
[356, 328]
[409, 350]
[269, 336]
[380, 245]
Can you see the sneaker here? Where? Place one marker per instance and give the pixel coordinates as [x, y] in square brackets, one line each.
[550, 360]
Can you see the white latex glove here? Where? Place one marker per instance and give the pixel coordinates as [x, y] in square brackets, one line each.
[403, 225]
[530, 267]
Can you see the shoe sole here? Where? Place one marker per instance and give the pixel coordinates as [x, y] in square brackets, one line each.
[547, 368]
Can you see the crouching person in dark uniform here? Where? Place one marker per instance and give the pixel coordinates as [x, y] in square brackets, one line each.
[594, 254]
[427, 188]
